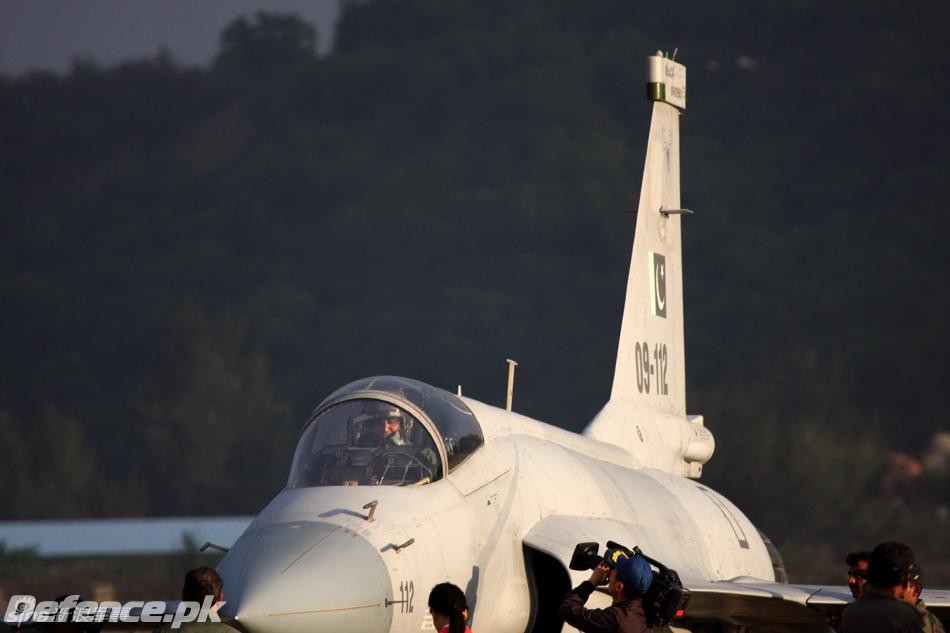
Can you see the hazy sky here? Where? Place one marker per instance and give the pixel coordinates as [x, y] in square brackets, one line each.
[47, 34]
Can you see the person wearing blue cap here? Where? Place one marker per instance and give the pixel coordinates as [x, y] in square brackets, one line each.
[628, 578]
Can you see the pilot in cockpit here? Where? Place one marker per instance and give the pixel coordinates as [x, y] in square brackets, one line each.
[395, 428]
[367, 442]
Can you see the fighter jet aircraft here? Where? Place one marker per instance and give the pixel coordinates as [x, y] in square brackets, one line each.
[397, 485]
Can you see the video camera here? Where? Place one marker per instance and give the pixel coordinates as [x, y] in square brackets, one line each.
[665, 599]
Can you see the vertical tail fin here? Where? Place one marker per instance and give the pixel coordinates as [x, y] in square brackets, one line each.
[646, 413]
[650, 359]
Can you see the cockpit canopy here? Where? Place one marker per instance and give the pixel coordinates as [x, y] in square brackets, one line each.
[384, 431]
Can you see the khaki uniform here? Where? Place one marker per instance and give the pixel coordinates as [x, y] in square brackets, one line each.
[930, 622]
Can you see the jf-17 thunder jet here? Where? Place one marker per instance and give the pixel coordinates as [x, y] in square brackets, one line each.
[397, 485]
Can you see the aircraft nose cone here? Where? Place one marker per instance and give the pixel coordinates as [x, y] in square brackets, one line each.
[306, 577]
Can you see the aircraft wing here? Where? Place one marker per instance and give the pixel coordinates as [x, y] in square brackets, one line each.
[938, 603]
[765, 606]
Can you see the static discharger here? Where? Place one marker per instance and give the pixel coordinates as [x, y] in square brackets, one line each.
[669, 212]
[210, 545]
[511, 383]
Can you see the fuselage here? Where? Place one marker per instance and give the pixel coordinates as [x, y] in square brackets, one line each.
[317, 559]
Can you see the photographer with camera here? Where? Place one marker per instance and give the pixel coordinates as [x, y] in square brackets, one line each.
[628, 578]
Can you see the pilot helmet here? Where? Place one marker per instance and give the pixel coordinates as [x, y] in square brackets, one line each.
[405, 420]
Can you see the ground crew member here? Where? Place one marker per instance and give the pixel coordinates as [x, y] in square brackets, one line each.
[857, 572]
[449, 609]
[199, 583]
[929, 622]
[628, 578]
[881, 608]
